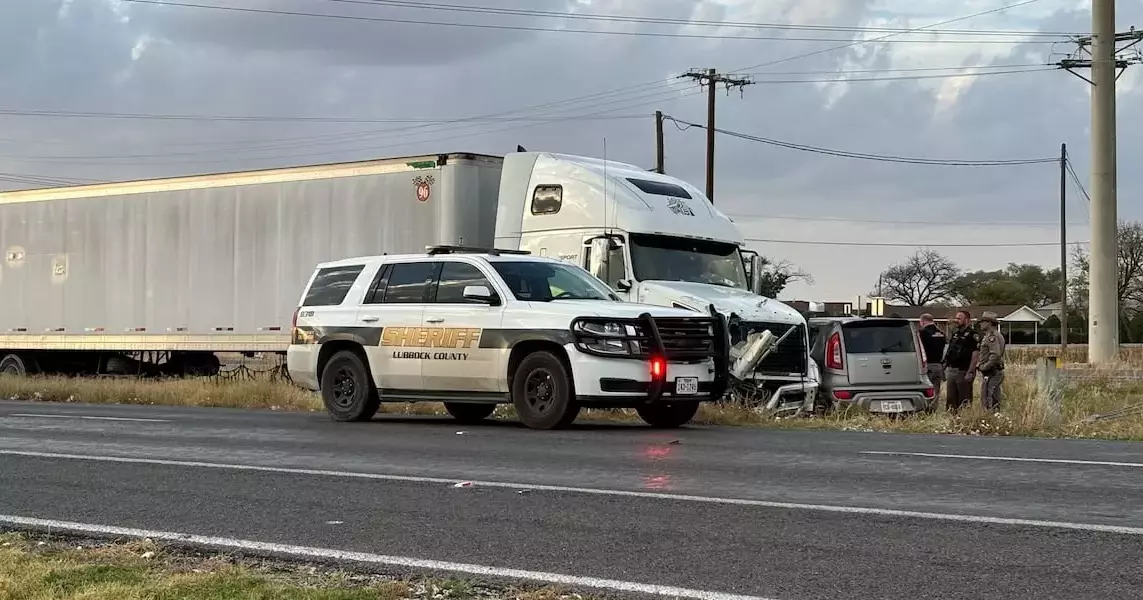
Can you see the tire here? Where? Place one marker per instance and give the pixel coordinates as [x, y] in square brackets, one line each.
[347, 388]
[552, 404]
[668, 415]
[469, 413]
[13, 365]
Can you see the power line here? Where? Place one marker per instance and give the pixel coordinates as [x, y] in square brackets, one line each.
[813, 218]
[902, 69]
[1078, 183]
[271, 119]
[903, 245]
[493, 26]
[901, 78]
[676, 21]
[868, 156]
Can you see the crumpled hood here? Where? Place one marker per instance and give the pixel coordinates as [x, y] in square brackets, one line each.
[726, 300]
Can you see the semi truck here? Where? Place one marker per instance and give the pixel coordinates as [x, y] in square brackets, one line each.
[165, 274]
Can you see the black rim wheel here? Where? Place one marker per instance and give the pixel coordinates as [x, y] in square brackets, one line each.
[344, 387]
[539, 390]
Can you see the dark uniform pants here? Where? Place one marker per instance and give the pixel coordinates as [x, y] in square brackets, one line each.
[959, 389]
[936, 373]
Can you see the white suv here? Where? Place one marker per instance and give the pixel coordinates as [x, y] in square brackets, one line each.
[475, 328]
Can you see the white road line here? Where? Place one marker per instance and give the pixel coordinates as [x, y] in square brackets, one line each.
[377, 559]
[853, 510]
[1060, 461]
[87, 417]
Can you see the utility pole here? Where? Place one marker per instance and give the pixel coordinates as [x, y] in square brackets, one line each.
[1063, 251]
[711, 78]
[1104, 58]
[660, 168]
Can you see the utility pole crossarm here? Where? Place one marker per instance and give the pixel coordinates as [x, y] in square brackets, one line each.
[711, 78]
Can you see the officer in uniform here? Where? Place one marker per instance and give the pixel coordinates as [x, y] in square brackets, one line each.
[933, 343]
[991, 365]
[960, 362]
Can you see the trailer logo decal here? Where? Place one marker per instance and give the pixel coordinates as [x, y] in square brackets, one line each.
[679, 207]
[14, 257]
[424, 187]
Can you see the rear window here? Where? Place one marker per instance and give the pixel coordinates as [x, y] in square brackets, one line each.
[331, 285]
[875, 337]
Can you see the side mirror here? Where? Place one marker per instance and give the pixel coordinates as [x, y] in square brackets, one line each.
[480, 293]
[753, 266]
[624, 285]
[600, 247]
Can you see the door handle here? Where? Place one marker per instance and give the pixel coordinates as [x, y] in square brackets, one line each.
[369, 319]
[434, 320]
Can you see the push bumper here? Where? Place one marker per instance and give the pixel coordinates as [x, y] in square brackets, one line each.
[636, 361]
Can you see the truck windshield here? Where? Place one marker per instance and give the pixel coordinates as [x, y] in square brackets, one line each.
[535, 281]
[667, 258]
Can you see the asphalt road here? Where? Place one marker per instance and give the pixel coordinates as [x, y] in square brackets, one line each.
[695, 508]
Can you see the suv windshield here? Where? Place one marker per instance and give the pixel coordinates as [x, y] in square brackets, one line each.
[875, 337]
[536, 281]
[666, 258]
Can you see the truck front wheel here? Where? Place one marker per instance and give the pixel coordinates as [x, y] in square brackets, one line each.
[542, 392]
[12, 364]
[469, 413]
[668, 415]
[347, 389]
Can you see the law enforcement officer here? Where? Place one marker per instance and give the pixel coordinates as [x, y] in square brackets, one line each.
[933, 343]
[991, 364]
[960, 362]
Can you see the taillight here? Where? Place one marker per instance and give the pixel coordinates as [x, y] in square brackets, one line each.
[833, 352]
[930, 392]
[843, 394]
[294, 319]
[658, 368]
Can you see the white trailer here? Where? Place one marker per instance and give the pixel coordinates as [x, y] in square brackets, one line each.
[93, 276]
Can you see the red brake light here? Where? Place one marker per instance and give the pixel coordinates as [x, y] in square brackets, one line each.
[658, 367]
[930, 392]
[843, 394]
[833, 352]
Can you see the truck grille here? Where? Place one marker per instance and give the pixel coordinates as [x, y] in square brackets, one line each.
[683, 338]
[787, 358]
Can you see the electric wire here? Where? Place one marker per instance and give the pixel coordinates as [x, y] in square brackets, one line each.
[907, 245]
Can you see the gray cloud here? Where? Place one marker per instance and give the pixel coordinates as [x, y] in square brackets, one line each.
[103, 56]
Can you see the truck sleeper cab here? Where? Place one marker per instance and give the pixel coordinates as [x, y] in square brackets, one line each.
[474, 328]
[873, 363]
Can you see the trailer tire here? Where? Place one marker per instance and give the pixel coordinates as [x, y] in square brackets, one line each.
[668, 415]
[13, 365]
[466, 412]
[542, 392]
[347, 388]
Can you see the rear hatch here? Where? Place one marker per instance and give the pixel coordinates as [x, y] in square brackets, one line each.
[881, 352]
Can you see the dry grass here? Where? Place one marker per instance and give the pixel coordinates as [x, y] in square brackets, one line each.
[1092, 392]
[1076, 353]
[47, 568]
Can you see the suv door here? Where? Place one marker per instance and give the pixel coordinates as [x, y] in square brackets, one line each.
[457, 362]
[396, 305]
[881, 351]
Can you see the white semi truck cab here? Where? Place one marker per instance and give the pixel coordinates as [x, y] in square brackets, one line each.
[656, 240]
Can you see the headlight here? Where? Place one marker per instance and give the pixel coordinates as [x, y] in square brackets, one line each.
[608, 338]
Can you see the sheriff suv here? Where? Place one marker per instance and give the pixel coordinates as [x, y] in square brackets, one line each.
[474, 328]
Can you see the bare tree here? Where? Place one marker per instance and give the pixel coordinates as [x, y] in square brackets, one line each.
[777, 275]
[924, 277]
[1129, 288]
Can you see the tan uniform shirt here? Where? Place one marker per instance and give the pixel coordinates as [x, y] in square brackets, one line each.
[991, 351]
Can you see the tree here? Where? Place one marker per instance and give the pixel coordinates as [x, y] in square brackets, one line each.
[925, 277]
[775, 276]
[1024, 284]
[1129, 288]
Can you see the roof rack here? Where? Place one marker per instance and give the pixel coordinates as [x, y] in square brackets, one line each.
[447, 249]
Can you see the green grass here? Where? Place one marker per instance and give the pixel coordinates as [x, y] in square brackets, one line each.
[37, 568]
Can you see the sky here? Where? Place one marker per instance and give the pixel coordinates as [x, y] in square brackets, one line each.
[406, 84]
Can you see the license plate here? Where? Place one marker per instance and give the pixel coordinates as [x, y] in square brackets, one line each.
[686, 386]
[892, 406]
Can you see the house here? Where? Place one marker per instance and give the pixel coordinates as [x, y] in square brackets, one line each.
[1020, 324]
[831, 309]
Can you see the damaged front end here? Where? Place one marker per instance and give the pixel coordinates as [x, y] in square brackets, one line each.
[770, 367]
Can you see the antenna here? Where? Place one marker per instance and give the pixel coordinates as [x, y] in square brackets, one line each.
[605, 185]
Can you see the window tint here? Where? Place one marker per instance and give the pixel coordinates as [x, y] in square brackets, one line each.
[377, 289]
[331, 284]
[865, 337]
[547, 199]
[660, 189]
[455, 276]
[544, 281]
[409, 283]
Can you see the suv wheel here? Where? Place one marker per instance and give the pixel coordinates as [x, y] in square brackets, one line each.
[347, 388]
[469, 413]
[542, 392]
[668, 415]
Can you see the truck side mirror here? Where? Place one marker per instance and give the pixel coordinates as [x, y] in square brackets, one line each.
[752, 264]
[600, 251]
